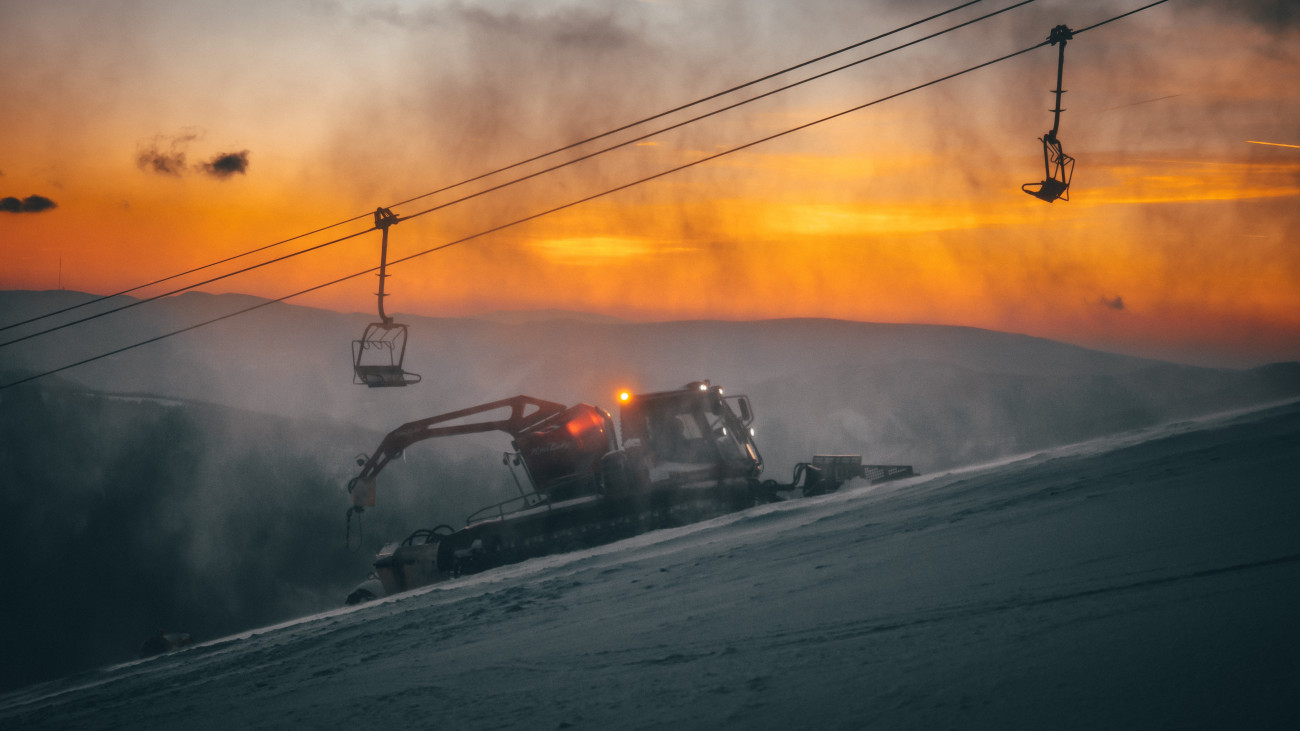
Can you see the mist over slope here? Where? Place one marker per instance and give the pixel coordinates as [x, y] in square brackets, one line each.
[197, 483]
[935, 395]
[1146, 580]
[129, 515]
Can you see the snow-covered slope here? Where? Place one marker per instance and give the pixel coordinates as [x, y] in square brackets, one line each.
[1150, 580]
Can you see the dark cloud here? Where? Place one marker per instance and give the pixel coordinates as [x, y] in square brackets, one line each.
[226, 164]
[1114, 303]
[566, 27]
[159, 162]
[167, 155]
[164, 155]
[1271, 13]
[1276, 15]
[30, 204]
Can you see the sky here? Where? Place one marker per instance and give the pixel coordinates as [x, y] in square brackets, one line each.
[142, 139]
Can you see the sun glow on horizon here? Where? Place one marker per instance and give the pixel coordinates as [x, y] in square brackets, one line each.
[1273, 144]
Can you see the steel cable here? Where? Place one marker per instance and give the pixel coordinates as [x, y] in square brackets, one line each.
[532, 175]
[577, 202]
[490, 173]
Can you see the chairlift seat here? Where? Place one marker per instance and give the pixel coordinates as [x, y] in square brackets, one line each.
[384, 376]
[377, 357]
[1049, 190]
[1058, 169]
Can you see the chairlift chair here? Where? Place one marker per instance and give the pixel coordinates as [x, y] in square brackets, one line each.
[1058, 167]
[377, 358]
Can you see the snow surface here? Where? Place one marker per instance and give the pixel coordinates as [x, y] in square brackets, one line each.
[1150, 580]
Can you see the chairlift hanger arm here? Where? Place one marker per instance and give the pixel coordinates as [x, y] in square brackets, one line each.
[362, 487]
[384, 218]
[386, 336]
[1059, 35]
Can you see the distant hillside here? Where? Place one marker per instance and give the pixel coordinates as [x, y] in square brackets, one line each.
[935, 396]
[516, 317]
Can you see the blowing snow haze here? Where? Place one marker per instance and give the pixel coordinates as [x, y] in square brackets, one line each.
[207, 490]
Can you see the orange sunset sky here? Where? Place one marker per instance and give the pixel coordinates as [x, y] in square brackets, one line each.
[168, 135]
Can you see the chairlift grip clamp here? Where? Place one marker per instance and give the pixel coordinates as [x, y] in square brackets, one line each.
[385, 218]
[1060, 34]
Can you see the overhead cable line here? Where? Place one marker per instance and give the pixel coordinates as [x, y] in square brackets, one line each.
[717, 111]
[544, 171]
[502, 169]
[577, 202]
[137, 303]
[178, 275]
[697, 102]
[186, 329]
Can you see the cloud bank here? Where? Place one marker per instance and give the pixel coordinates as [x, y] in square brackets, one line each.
[166, 155]
[30, 204]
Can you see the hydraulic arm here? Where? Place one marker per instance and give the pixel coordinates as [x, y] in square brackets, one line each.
[525, 411]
